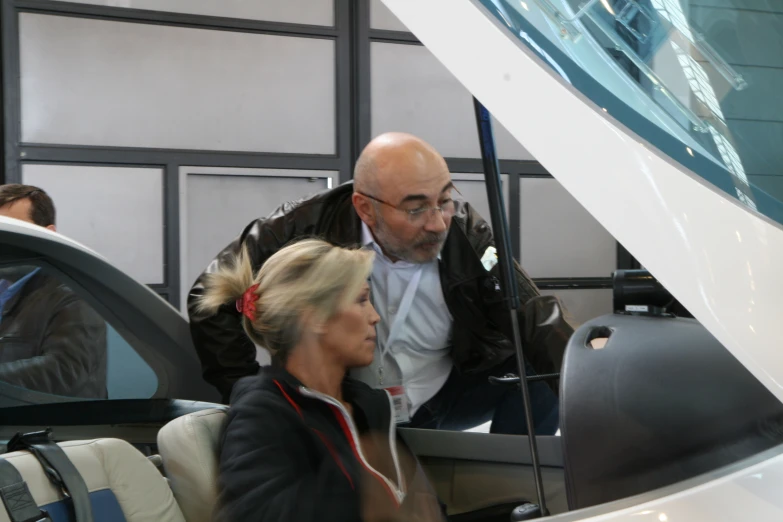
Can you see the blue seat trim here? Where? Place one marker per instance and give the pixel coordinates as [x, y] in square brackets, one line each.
[105, 508]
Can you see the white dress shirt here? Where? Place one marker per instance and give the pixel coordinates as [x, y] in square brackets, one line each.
[419, 359]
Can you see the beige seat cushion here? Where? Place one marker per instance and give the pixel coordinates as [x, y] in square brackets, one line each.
[105, 464]
[189, 448]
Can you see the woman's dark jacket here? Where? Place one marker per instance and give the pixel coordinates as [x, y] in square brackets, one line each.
[289, 454]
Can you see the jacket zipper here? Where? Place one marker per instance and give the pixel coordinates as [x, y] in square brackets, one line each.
[393, 445]
[397, 492]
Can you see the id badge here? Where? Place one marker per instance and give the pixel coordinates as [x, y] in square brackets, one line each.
[400, 404]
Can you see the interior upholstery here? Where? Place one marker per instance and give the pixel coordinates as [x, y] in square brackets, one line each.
[189, 447]
[123, 484]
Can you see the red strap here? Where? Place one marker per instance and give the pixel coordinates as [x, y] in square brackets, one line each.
[289, 399]
[334, 454]
[327, 443]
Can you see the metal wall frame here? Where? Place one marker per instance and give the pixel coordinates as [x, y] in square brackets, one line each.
[352, 35]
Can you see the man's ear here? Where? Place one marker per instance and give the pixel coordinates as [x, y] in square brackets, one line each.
[364, 208]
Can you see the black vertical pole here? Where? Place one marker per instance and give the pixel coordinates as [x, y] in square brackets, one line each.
[500, 230]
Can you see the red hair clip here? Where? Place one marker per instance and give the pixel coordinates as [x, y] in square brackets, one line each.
[246, 305]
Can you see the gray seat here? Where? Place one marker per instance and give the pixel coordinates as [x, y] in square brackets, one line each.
[189, 448]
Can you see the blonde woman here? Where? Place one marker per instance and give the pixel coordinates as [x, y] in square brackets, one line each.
[303, 442]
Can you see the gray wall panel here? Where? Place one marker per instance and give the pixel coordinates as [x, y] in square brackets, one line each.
[413, 92]
[382, 18]
[116, 211]
[559, 238]
[95, 82]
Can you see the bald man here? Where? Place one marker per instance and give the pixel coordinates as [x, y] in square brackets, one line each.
[444, 327]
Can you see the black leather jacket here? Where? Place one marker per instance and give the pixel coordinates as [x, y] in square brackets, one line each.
[51, 341]
[481, 331]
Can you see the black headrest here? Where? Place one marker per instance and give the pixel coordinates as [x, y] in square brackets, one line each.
[662, 402]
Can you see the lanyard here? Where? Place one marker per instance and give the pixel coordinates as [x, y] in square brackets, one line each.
[399, 320]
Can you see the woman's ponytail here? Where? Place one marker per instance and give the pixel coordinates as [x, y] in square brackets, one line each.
[226, 285]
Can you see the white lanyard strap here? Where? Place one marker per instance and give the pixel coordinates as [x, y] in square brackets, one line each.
[402, 312]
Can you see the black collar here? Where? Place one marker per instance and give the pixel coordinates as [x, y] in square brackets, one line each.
[373, 404]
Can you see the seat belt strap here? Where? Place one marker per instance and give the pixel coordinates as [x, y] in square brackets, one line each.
[58, 467]
[16, 496]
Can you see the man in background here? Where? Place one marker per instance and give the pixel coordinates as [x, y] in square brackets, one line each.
[51, 341]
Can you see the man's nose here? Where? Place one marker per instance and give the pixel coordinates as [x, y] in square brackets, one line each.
[436, 222]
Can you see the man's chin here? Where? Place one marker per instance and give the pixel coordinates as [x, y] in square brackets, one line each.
[427, 252]
[419, 254]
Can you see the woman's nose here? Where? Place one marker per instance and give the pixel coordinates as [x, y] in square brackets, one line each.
[374, 317]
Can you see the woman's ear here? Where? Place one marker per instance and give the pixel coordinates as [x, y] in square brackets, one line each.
[319, 328]
[312, 323]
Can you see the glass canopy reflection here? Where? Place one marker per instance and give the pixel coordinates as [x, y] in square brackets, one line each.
[702, 80]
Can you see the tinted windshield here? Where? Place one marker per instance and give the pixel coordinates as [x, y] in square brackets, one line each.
[698, 79]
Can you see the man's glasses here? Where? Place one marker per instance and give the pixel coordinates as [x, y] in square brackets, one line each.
[419, 215]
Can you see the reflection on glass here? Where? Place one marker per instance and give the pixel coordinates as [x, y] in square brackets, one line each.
[53, 342]
[670, 71]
